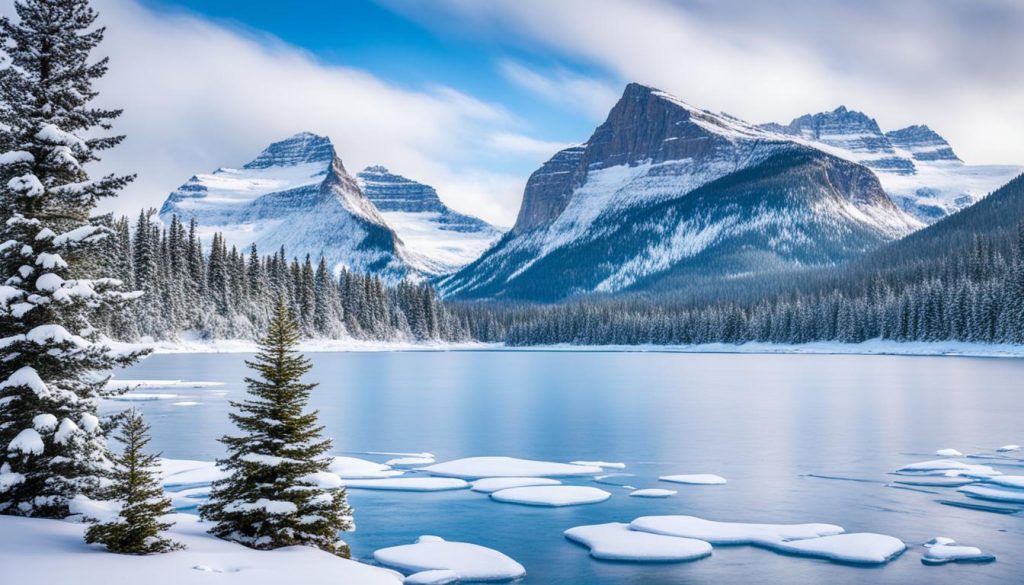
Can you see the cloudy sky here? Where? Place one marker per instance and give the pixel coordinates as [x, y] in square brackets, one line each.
[471, 96]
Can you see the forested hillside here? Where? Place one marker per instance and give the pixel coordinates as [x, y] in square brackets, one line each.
[228, 293]
[960, 279]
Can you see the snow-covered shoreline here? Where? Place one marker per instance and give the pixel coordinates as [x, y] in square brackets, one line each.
[871, 347]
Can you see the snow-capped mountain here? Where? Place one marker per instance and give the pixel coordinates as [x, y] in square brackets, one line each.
[664, 192]
[297, 194]
[916, 166]
[424, 223]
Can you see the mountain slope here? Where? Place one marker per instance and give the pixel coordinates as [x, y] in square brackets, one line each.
[917, 166]
[663, 190]
[296, 194]
[426, 225]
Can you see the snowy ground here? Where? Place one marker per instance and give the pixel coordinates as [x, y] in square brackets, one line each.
[189, 344]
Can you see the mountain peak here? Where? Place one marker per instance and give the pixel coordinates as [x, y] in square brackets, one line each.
[301, 148]
[923, 143]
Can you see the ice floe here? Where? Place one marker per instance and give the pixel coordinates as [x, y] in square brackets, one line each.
[1008, 448]
[492, 484]
[995, 494]
[434, 577]
[943, 550]
[142, 397]
[478, 467]
[186, 403]
[948, 468]
[471, 562]
[616, 542]
[135, 384]
[695, 479]
[863, 548]
[1010, 481]
[355, 468]
[653, 493]
[408, 461]
[408, 484]
[731, 532]
[551, 495]
[949, 453]
[601, 464]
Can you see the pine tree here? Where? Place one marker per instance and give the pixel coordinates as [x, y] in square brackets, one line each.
[136, 488]
[52, 446]
[273, 495]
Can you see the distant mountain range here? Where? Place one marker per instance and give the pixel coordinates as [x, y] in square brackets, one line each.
[662, 196]
[297, 194]
[665, 193]
[916, 166]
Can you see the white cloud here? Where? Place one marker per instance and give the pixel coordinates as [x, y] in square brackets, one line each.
[564, 87]
[949, 64]
[525, 145]
[197, 96]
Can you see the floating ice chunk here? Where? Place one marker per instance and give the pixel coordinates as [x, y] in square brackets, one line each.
[731, 532]
[863, 548]
[949, 453]
[142, 397]
[477, 467]
[937, 482]
[994, 494]
[406, 461]
[943, 550]
[616, 542]
[186, 403]
[470, 562]
[551, 495]
[948, 468]
[601, 464]
[355, 468]
[695, 479]
[134, 384]
[435, 577]
[1010, 481]
[492, 484]
[408, 484]
[1008, 448]
[653, 493]
[939, 541]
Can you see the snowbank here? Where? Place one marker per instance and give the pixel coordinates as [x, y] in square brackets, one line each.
[479, 467]
[551, 495]
[52, 551]
[616, 542]
[470, 562]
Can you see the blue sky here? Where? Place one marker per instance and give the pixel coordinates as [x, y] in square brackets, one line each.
[471, 96]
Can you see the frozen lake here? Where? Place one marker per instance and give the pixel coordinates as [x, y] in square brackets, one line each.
[767, 423]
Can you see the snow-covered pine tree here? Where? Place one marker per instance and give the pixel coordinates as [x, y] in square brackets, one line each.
[275, 492]
[136, 487]
[52, 446]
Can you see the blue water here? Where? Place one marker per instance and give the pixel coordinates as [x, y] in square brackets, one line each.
[765, 422]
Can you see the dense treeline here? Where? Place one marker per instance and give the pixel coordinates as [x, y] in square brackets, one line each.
[962, 280]
[221, 292]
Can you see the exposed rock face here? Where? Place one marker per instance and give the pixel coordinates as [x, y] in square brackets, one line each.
[662, 190]
[923, 143]
[296, 194]
[447, 238]
[916, 166]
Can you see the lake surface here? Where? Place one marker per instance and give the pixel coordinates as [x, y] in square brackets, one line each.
[765, 422]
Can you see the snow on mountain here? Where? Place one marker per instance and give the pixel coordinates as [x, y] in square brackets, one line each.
[424, 223]
[297, 194]
[663, 190]
[917, 166]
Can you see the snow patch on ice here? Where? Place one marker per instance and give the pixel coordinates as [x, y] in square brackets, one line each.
[492, 484]
[695, 479]
[478, 467]
[653, 493]
[551, 495]
[616, 542]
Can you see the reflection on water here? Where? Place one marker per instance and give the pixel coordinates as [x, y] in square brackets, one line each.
[768, 423]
